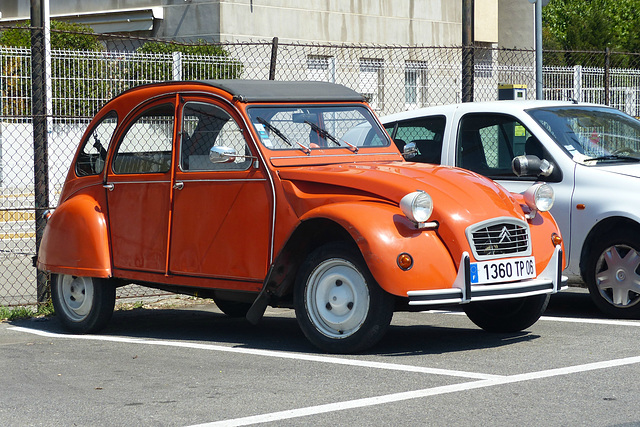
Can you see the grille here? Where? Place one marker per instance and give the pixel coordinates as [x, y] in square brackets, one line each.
[499, 238]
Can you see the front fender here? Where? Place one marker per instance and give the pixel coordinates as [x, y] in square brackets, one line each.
[382, 233]
[76, 240]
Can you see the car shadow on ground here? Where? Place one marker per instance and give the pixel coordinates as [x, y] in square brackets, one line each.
[279, 329]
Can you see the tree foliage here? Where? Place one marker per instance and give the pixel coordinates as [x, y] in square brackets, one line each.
[64, 35]
[592, 25]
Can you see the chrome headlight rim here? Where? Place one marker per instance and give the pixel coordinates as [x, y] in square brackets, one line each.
[417, 206]
[540, 197]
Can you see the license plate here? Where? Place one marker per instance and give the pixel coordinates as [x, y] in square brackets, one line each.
[503, 270]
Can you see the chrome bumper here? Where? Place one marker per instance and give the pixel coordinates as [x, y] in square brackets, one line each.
[549, 281]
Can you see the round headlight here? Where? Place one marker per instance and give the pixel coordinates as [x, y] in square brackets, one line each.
[417, 206]
[539, 197]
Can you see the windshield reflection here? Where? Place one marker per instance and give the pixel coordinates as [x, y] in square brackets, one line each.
[317, 127]
[592, 135]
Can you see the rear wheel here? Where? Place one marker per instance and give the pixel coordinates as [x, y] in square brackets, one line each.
[613, 274]
[83, 304]
[339, 306]
[508, 315]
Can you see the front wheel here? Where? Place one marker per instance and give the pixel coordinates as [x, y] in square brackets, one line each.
[83, 304]
[508, 315]
[339, 306]
[613, 275]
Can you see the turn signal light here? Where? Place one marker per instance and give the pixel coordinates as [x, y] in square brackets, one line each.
[405, 261]
[556, 239]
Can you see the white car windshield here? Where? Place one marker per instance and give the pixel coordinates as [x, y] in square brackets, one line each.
[592, 134]
[313, 127]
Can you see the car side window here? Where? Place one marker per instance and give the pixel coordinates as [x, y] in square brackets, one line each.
[488, 143]
[94, 151]
[204, 126]
[426, 133]
[146, 145]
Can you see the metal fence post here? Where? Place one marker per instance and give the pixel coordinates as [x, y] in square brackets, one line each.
[607, 65]
[467, 51]
[274, 58]
[40, 130]
[577, 83]
[177, 65]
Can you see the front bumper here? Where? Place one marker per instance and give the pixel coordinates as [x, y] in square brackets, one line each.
[549, 281]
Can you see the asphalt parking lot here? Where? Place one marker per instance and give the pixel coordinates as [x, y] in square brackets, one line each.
[192, 365]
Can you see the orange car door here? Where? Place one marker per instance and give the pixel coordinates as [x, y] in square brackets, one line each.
[222, 212]
[138, 190]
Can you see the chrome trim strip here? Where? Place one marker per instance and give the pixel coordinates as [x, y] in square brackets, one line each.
[320, 156]
[225, 180]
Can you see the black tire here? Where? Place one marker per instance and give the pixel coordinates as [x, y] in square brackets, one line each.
[83, 304]
[232, 308]
[508, 315]
[612, 274]
[339, 305]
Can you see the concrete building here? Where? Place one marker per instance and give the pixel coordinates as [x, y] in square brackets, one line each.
[497, 23]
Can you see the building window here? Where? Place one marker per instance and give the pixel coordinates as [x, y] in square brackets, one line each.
[320, 68]
[415, 84]
[483, 59]
[372, 81]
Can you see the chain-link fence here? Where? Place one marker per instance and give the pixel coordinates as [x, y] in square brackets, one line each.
[393, 78]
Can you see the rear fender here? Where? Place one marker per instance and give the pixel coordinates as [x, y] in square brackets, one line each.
[76, 240]
[382, 233]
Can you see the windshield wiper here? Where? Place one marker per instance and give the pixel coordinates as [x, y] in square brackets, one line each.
[326, 135]
[612, 157]
[278, 132]
[274, 130]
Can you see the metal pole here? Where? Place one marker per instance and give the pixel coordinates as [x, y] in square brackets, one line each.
[607, 83]
[467, 51]
[539, 49]
[40, 129]
[274, 58]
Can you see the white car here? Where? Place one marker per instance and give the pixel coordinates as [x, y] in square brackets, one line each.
[590, 156]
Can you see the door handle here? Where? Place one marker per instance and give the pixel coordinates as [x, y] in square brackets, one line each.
[178, 185]
[108, 186]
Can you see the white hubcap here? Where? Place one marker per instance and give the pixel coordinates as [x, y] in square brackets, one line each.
[337, 298]
[617, 276]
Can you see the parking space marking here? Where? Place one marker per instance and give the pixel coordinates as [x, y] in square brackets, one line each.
[268, 353]
[396, 397]
[559, 319]
[482, 380]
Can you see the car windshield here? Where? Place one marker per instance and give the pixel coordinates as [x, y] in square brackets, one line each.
[307, 128]
[590, 134]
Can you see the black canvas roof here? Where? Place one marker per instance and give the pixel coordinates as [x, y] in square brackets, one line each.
[283, 91]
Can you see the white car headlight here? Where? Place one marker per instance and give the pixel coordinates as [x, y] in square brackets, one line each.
[417, 206]
[539, 197]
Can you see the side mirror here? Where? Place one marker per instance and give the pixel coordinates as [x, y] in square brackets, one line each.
[530, 165]
[410, 151]
[222, 155]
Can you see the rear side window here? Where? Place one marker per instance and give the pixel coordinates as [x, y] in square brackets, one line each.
[146, 145]
[94, 151]
[426, 133]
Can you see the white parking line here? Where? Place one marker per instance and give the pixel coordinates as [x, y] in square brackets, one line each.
[484, 380]
[268, 353]
[396, 397]
[559, 319]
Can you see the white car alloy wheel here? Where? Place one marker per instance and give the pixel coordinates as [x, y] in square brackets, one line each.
[617, 276]
[76, 296]
[337, 298]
